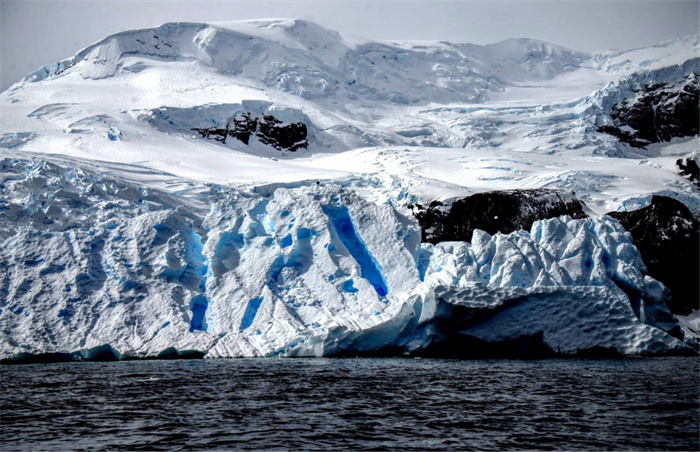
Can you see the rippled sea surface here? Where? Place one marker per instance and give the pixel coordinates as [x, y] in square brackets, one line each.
[352, 404]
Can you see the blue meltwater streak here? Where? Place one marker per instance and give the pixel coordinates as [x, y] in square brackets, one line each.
[371, 270]
[250, 312]
[198, 306]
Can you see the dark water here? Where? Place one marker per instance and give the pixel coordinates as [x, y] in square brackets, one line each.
[352, 404]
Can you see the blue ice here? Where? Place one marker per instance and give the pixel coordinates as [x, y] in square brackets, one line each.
[250, 312]
[287, 241]
[198, 305]
[371, 270]
[349, 287]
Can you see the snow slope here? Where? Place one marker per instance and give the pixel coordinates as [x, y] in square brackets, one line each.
[123, 224]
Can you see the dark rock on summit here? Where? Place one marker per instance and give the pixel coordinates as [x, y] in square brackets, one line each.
[496, 211]
[268, 129]
[243, 127]
[668, 237]
[273, 132]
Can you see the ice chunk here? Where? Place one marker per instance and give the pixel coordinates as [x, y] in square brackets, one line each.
[114, 134]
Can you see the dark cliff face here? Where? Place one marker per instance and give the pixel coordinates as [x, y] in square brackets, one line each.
[689, 169]
[668, 237]
[657, 112]
[496, 211]
[268, 129]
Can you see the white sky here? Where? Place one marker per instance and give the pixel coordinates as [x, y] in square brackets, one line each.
[36, 33]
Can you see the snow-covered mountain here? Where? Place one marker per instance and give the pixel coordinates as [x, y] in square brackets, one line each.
[255, 189]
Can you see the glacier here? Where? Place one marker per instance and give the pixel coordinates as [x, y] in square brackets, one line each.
[246, 189]
[91, 260]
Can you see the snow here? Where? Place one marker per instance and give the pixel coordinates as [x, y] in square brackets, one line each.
[122, 227]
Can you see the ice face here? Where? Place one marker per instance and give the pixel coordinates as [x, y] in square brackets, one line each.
[307, 271]
[579, 282]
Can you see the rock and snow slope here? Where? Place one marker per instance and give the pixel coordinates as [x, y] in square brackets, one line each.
[243, 189]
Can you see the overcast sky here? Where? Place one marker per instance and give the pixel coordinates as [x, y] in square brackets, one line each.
[36, 33]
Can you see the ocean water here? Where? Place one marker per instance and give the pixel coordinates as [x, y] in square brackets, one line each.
[400, 404]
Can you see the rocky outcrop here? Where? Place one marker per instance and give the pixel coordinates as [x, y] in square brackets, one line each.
[268, 130]
[689, 169]
[655, 109]
[496, 211]
[667, 235]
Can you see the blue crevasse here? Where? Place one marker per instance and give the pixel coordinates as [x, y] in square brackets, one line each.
[371, 270]
[195, 275]
[250, 312]
[198, 306]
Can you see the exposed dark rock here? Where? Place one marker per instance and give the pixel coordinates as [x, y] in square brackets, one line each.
[244, 126]
[657, 112]
[623, 135]
[668, 237]
[688, 168]
[496, 211]
[219, 134]
[268, 129]
[273, 132]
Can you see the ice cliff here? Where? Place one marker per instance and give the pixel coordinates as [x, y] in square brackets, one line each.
[90, 261]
